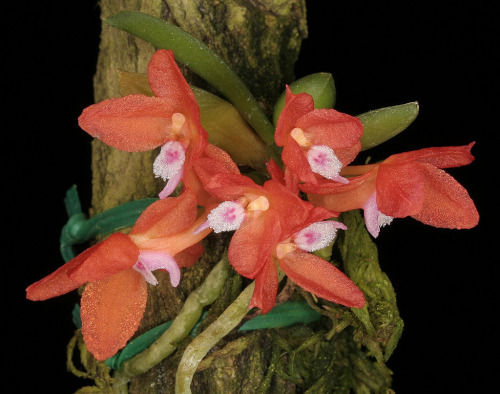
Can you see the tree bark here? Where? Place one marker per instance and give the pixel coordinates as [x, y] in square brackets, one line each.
[260, 40]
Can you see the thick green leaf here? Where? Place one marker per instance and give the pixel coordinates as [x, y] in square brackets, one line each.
[384, 123]
[79, 229]
[283, 315]
[229, 131]
[137, 345]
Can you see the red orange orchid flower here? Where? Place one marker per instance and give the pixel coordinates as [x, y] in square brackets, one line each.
[267, 220]
[170, 119]
[309, 271]
[406, 184]
[117, 270]
[317, 143]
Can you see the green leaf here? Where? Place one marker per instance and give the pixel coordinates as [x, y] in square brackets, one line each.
[199, 59]
[75, 313]
[283, 315]
[384, 123]
[229, 131]
[320, 86]
[79, 229]
[137, 345]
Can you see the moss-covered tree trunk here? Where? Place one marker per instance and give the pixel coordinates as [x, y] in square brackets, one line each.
[346, 350]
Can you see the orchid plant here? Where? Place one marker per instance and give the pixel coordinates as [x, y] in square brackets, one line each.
[280, 224]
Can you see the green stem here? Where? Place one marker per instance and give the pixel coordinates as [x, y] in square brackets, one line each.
[205, 341]
[120, 385]
[201, 345]
[189, 315]
[199, 59]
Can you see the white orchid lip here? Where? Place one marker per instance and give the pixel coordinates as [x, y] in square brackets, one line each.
[227, 216]
[314, 237]
[169, 164]
[170, 160]
[324, 162]
[317, 235]
[150, 261]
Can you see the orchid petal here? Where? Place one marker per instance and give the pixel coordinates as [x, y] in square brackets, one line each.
[332, 128]
[266, 288]
[252, 244]
[277, 174]
[231, 186]
[212, 161]
[167, 217]
[293, 212]
[111, 310]
[294, 158]
[321, 278]
[296, 105]
[441, 157]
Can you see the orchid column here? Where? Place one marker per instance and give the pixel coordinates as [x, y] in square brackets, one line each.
[250, 39]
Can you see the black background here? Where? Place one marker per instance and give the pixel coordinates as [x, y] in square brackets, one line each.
[444, 56]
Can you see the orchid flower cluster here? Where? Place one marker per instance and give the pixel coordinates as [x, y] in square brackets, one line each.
[277, 225]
